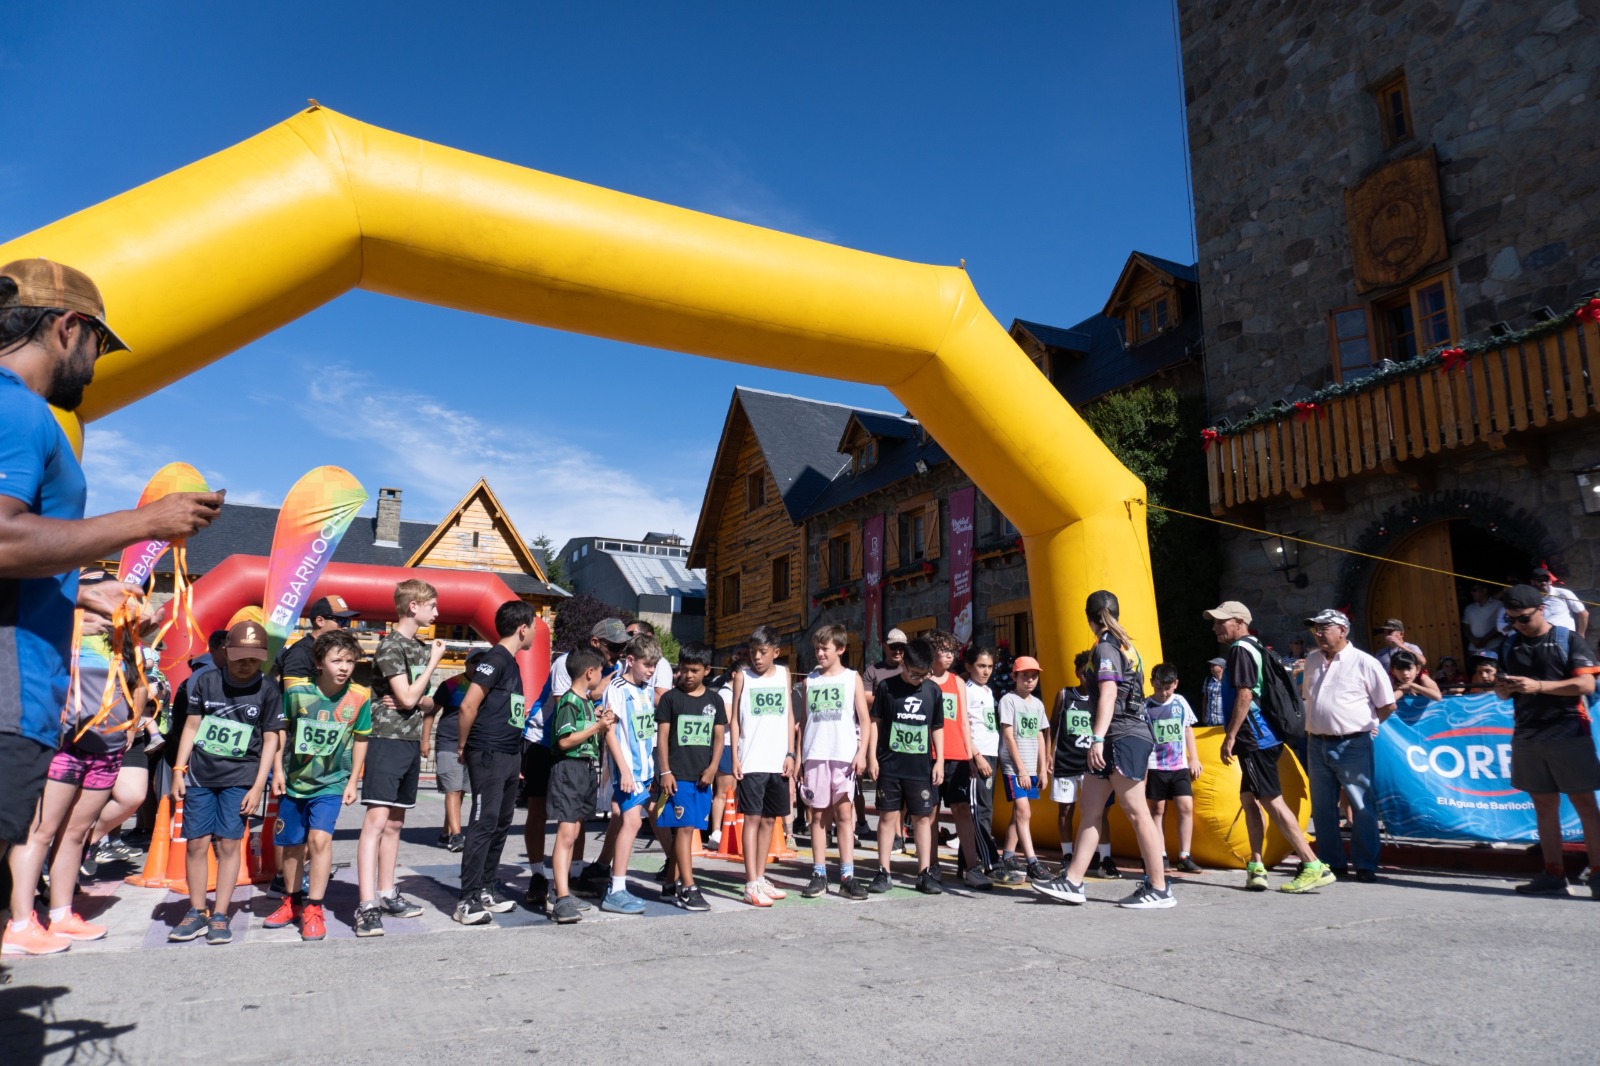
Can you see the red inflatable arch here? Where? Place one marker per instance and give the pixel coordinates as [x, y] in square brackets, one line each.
[466, 597]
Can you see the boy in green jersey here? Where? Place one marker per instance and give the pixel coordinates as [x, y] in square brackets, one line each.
[578, 732]
[326, 724]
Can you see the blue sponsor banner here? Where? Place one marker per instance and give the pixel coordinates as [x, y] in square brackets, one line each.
[1444, 773]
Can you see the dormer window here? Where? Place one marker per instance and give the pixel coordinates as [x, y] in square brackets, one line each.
[1151, 318]
[865, 455]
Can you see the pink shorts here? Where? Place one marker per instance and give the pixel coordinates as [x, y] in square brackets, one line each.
[824, 783]
[94, 771]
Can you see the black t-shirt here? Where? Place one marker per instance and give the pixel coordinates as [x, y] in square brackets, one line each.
[227, 747]
[907, 716]
[690, 721]
[447, 699]
[503, 711]
[1556, 656]
[296, 661]
[1126, 668]
[1073, 717]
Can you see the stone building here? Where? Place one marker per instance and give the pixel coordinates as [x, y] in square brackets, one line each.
[1398, 210]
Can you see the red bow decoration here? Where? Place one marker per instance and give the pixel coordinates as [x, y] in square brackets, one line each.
[1454, 359]
[1590, 311]
[1304, 409]
[1546, 566]
[1207, 438]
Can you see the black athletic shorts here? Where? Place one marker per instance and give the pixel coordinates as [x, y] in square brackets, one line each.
[1567, 765]
[763, 795]
[1129, 755]
[956, 787]
[536, 763]
[572, 787]
[23, 765]
[1259, 772]
[1168, 784]
[915, 796]
[390, 777]
[135, 758]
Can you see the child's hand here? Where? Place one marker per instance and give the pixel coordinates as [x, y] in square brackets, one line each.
[436, 652]
[250, 800]
[349, 793]
[177, 786]
[1194, 770]
[858, 765]
[1024, 782]
[938, 774]
[627, 784]
[981, 765]
[738, 770]
[872, 766]
[606, 720]
[708, 778]
[278, 787]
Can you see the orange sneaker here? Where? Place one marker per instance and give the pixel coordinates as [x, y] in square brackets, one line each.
[74, 928]
[754, 896]
[312, 926]
[32, 940]
[284, 915]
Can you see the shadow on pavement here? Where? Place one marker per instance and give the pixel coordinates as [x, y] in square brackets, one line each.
[30, 1031]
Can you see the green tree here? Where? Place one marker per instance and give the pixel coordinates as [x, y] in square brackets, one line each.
[555, 567]
[1156, 434]
[670, 648]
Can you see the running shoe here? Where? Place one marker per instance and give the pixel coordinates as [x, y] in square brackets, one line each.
[1147, 897]
[88, 866]
[1311, 875]
[1061, 890]
[217, 931]
[286, 914]
[397, 906]
[928, 885]
[1188, 865]
[193, 924]
[154, 744]
[1546, 884]
[1038, 871]
[31, 939]
[881, 883]
[936, 873]
[594, 881]
[369, 921]
[1108, 868]
[566, 910]
[817, 886]
[1255, 877]
[75, 928]
[444, 840]
[468, 912]
[622, 901]
[114, 849]
[772, 890]
[313, 924]
[495, 901]
[1366, 877]
[538, 897]
[898, 845]
[852, 888]
[1004, 875]
[754, 896]
[690, 899]
[976, 878]
[458, 841]
[277, 889]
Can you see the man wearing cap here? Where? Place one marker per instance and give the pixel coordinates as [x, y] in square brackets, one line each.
[1561, 606]
[894, 654]
[1347, 694]
[1251, 740]
[52, 329]
[1548, 671]
[1392, 636]
[1211, 703]
[327, 613]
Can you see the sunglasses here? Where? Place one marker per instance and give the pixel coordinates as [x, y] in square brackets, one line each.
[102, 334]
[1523, 619]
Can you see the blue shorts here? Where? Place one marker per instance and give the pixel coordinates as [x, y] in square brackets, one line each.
[689, 807]
[1013, 793]
[213, 812]
[297, 817]
[626, 802]
[725, 765]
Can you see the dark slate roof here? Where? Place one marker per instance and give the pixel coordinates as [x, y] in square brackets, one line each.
[897, 460]
[799, 439]
[1184, 273]
[886, 426]
[1083, 374]
[1055, 337]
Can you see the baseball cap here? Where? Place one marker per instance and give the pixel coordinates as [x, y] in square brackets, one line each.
[1329, 617]
[1541, 574]
[610, 630]
[1024, 662]
[1394, 625]
[1523, 597]
[330, 607]
[1216, 662]
[896, 636]
[247, 640]
[45, 284]
[1228, 609]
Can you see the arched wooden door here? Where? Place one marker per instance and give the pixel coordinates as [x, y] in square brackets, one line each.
[1426, 602]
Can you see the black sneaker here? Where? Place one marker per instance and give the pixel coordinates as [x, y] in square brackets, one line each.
[1108, 869]
[1149, 898]
[690, 899]
[368, 921]
[1188, 865]
[817, 886]
[564, 911]
[851, 888]
[1546, 884]
[594, 881]
[89, 864]
[927, 884]
[468, 912]
[1366, 877]
[880, 883]
[538, 897]
[898, 847]
[936, 873]
[494, 901]
[277, 890]
[444, 840]
[458, 842]
[397, 906]
[1038, 873]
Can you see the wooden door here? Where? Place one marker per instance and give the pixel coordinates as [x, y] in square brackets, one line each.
[1424, 601]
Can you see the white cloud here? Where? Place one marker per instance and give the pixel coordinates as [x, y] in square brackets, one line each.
[435, 453]
[719, 181]
[117, 468]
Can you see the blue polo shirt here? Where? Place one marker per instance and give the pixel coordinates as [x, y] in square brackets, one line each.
[37, 467]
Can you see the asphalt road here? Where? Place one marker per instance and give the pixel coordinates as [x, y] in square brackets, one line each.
[1422, 967]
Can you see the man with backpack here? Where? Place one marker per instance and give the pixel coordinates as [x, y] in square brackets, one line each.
[1347, 693]
[1255, 688]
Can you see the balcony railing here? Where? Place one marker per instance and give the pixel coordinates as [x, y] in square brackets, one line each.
[1542, 383]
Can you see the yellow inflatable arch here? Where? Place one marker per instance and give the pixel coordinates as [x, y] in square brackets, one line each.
[208, 258]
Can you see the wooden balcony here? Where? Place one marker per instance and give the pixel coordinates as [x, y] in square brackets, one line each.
[1499, 398]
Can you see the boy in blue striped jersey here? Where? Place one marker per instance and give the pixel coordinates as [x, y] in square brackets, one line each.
[631, 697]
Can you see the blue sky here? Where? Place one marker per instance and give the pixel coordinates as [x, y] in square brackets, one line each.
[1039, 142]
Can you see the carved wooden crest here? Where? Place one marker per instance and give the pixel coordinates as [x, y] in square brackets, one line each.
[1396, 222]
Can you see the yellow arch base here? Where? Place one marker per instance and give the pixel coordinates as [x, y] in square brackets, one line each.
[208, 258]
[1220, 841]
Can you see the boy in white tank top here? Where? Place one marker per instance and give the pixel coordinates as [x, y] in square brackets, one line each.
[833, 753]
[764, 759]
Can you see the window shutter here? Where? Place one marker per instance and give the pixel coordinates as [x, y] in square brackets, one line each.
[857, 539]
[891, 541]
[825, 580]
[931, 525]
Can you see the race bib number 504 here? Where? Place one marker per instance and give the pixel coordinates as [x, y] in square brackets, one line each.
[908, 739]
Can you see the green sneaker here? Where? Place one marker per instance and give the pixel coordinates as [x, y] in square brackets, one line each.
[1311, 875]
[1255, 877]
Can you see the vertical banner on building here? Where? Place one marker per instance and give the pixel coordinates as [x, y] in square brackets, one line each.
[872, 578]
[314, 517]
[963, 508]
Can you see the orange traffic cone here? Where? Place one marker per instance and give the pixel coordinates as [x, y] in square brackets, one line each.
[260, 857]
[732, 828]
[780, 850]
[154, 874]
[177, 879]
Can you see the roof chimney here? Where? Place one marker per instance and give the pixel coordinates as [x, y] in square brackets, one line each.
[387, 532]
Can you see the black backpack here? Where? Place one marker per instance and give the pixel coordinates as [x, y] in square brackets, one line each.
[1281, 704]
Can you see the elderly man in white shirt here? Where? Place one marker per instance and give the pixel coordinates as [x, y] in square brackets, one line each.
[1347, 694]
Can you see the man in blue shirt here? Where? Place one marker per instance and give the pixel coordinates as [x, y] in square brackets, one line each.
[52, 330]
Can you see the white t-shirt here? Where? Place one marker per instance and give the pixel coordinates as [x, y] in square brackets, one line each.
[663, 675]
[1561, 607]
[832, 733]
[1482, 619]
[763, 736]
[981, 720]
